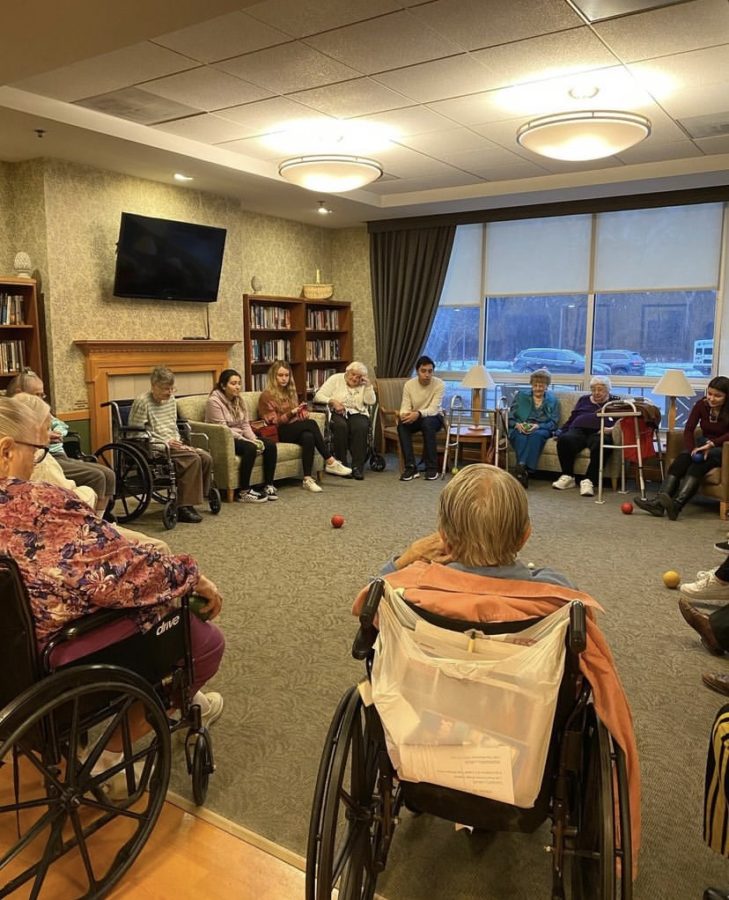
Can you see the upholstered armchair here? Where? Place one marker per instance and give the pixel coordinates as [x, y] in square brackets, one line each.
[716, 482]
[389, 398]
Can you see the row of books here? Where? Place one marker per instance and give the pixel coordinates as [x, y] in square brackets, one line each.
[12, 356]
[11, 309]
[267, 351]
[322, 319]
[315, 378]
[260, 381]
[324, 349]
[270, 316]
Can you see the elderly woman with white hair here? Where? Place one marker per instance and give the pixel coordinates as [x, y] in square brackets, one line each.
[348, 394]
[582, 431]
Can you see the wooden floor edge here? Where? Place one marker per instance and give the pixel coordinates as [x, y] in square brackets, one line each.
[239, 831]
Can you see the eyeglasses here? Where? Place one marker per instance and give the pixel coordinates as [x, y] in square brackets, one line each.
[41, 451]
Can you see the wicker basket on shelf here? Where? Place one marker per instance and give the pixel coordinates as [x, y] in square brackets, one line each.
[317, 291]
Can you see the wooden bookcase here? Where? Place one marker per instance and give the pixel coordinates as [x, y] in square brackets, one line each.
[19, 328]
[314, 336]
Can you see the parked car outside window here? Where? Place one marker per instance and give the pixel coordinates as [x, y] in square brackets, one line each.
[621, 362]
[556, 360]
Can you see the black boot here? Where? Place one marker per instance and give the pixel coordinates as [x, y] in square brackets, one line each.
[654, 506]
[521, 473]
[715, 894]
[674, 505]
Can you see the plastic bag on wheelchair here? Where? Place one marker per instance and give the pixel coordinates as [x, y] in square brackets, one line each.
[467, 710]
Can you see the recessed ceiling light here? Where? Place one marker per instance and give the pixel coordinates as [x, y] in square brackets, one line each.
[323, 209]
[180, 177]
[584, 91]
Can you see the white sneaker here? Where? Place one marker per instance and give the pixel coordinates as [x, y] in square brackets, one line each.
[563, 483]
[251, 496]
[270, 492]
[211, 706]
[587, 488]
[308, 484]
[706, 587]
[336, 468]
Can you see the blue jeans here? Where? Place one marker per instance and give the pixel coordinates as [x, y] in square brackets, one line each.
[527, 447]
[429, 426]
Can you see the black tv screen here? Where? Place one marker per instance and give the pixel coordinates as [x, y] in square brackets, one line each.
[160, 259]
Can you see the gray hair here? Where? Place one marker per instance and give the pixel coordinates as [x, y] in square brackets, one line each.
[600, 379]
[541, 375]
[22, 382]
[358, 368]
[40, 409]
[17, 420]
[162, 375]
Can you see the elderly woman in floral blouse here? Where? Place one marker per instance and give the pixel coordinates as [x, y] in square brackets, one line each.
[74, 563]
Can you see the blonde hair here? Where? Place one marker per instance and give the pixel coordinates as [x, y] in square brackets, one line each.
[22, 382]
[484, 516]
[40, 409]
[282, 394]
[17, 420]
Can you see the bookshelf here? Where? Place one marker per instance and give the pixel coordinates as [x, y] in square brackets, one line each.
[19, 328]
[314, 336]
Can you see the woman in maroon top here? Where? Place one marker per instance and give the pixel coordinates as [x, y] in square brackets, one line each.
[709, 417]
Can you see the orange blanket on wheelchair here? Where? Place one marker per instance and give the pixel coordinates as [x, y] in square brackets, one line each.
[477, 598]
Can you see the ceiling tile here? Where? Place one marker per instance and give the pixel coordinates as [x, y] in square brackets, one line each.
[597, 10]
[657, 152]
[108, 72]
[206, 128]
[295, 68]
[688, 26]
[562, 167]
[222, 37]
[351, 98]
[697, 101]
[667, 75]
[439, 79]
[475, 109]
[714, 145]
[384, 43]
[413, 120]
[206, 88]
[303, 17]
[448, 142]
[139, 106]
[485, 23]
[519, 168]
[411, 185]
[253, 147]
[266, 116]
[406, 163]
[479, 161]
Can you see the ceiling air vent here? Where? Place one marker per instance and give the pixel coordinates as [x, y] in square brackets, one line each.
[715, 125]
[137, 106]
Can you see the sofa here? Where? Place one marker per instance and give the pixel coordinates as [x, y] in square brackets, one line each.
[226, 465]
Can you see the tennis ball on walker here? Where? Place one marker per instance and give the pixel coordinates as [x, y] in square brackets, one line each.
[626, 508]
[671, 579]
[455, 470]
[337, 521]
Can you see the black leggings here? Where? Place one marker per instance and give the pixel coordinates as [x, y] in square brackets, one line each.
[305, 433]
[684, 465]
[247, 452]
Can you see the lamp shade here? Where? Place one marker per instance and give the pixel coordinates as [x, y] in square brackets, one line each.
[592, 134]
[478, 377]
[673, 383]
[330, 174]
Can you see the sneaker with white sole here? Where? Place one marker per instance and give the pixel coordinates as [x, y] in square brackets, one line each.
[563, 483]
[251, 496]
[706, 587]
[587, 488]
[211, 706]
[270, 492]
[337, 468]
[722, 547]
[308, 484]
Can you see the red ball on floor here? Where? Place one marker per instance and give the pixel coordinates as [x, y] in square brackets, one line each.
[626, 508]
[337, 521]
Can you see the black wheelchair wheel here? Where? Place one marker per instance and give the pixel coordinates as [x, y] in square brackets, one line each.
[377, 462]
[133, 480]
[347, 830]
[169, 515]
[201, 767]
[593, 858]
[69, 793]
[216, 504]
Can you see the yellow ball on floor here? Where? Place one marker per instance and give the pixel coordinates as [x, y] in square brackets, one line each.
[671, 579]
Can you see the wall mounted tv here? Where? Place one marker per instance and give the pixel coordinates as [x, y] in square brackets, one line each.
[160, 259]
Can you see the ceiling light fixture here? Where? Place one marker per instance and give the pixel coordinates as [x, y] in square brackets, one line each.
[178, 176]
[331, 174]
[592, 134]
[583, 91]
[324, 209]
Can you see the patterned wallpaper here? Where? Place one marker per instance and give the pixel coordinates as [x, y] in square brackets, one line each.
[6, 228]
[351, 276]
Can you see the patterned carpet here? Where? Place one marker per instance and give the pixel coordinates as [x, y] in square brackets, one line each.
[288, 579]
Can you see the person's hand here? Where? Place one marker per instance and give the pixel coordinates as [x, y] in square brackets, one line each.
[520, 428]
[175, 445]
[303, 411]
[409, 417]
[208, 591]
[337, 407]
[55, 437]
[704, 448]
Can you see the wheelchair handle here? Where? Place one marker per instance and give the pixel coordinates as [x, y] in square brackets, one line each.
[578, 627]
[367, 632]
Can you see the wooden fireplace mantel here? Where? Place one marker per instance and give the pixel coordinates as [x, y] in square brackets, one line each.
[105, 359]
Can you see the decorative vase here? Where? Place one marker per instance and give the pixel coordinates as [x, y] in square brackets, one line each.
[22, 265]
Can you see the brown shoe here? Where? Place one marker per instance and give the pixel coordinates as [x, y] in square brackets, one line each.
[700, 623]
[716, 682]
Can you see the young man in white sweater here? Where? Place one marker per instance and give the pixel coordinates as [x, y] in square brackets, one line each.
[420, 410]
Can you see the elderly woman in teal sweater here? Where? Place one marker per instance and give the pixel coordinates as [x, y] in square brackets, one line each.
[533, 417]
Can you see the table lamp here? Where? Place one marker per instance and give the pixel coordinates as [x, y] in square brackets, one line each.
[477, 378]
[673, 383]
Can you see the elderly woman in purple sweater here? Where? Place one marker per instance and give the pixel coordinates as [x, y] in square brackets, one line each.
[580, 431]
[225, 407]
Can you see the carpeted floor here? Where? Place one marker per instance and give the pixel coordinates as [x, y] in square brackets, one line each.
[288, 580]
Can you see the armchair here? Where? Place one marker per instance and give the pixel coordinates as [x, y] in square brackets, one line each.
[389, 398]
[716, 482]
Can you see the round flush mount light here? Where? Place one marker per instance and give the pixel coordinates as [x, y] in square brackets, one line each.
[331, 174]
[577, 136]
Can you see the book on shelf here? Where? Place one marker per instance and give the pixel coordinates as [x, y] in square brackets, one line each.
[260, 381]
[323, 349]
[270, 317]
[12, 357]
[315, 378]
[11, 309]
[322, 319]
[268, 351]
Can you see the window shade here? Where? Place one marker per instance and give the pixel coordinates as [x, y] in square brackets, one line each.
[463, 280]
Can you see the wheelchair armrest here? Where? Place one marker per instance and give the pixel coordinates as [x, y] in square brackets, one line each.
[367, 632]
[578, 627]
[78, 628]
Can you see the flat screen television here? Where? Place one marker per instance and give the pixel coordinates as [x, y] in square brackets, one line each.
[160, 259]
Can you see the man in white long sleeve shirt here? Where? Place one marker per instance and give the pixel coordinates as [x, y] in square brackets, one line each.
[347, 395]
[420, 410]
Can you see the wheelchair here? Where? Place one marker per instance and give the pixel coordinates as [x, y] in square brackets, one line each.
[358, 796]
[376, 460]
[144, 469]
[72, 821]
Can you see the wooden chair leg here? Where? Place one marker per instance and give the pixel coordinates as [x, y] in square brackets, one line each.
[724, 508]
[229, 495]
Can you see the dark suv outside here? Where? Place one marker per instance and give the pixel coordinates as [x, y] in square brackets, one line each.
[620, 362]
[559, 361]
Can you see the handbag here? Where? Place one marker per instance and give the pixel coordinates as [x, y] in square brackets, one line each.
[265, 430]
